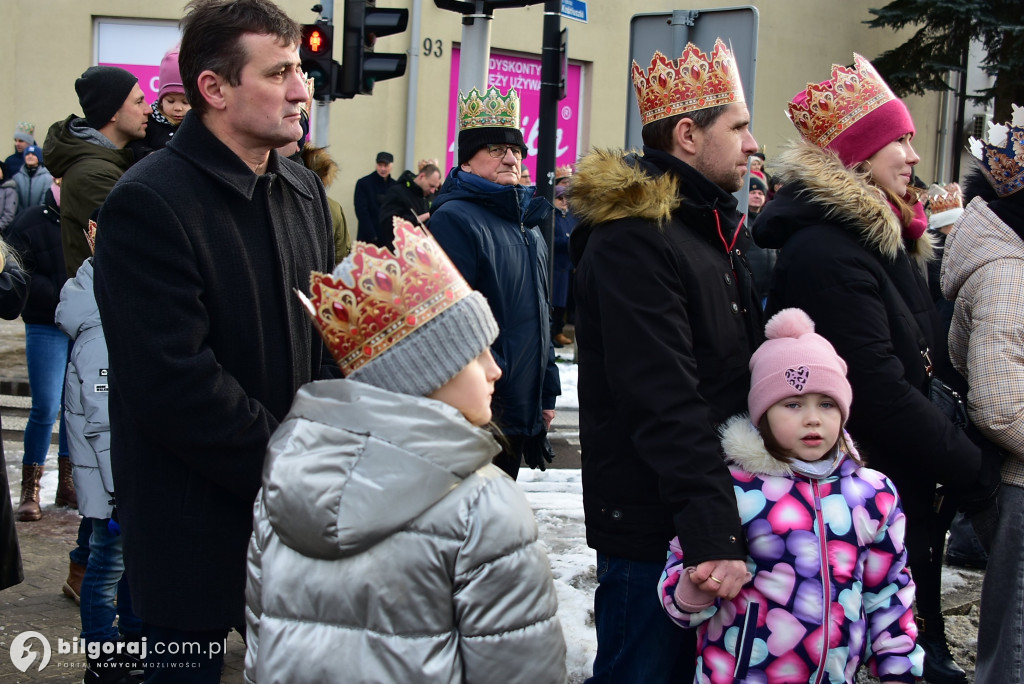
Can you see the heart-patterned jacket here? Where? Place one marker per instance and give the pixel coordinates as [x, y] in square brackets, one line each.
[830, 588]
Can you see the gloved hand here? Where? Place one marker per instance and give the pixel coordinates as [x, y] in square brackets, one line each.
[537, 451]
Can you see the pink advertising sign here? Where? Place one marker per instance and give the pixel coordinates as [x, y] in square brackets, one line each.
[149, 77]
[523, 74]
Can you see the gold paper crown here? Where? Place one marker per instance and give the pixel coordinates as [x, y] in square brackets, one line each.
[375, 299]
[945, 198]
[90, 235]
[1001, 158]
[695, 81]
[833, 106]
[493, 110]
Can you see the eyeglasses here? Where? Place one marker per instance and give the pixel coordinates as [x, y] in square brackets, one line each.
[499, 151]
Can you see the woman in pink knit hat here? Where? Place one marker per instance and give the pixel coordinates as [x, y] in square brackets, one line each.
[829, 589]
[851, 230]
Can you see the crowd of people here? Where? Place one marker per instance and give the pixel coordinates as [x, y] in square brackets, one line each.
[275, 424]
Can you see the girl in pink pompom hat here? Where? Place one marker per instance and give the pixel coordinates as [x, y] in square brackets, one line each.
[853, 254]
[829, 590]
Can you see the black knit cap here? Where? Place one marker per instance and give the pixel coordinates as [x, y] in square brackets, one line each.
[101, 92]
[472, 139]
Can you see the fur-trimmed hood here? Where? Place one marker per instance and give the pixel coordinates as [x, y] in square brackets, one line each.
[612, 184]
[744, 447]
[817, 186]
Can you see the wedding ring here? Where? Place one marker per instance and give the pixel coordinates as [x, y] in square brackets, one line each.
[714, 579]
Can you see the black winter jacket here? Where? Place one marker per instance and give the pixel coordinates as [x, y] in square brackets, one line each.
[405, 200]
[35, 236]
[196, 262]
[666, 321]
[840, 242]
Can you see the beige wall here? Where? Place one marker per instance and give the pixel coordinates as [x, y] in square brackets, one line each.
[46, 44]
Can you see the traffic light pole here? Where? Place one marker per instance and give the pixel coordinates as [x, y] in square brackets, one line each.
[550, 70]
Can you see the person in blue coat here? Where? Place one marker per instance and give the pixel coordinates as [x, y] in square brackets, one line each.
[487, 223]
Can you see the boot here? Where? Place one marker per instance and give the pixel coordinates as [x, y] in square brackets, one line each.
[28, 509]
[116, 668]
[939, 666]
[73, 584]
[65, 484]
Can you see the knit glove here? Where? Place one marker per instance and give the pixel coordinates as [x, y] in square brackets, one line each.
[537, 451]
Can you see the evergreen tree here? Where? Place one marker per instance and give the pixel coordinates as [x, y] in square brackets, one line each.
[945, 29]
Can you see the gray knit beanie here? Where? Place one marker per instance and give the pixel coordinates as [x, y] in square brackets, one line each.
[436, 352]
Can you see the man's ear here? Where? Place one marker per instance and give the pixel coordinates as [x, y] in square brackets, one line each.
[685, 135]
[211, 89]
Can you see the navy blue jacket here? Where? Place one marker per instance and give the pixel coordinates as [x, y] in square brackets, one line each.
[489, 232]
[35, 236]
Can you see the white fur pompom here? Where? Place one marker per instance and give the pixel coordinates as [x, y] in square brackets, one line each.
[788, 323]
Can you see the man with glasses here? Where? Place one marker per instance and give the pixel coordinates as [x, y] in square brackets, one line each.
[486, 222]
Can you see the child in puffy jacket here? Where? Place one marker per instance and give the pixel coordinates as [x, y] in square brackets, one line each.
[830, 589]
[386, 547]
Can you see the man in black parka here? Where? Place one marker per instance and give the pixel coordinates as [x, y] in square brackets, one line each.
[203, 244]
[666, 321]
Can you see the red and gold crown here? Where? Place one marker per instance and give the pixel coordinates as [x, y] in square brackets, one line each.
[945, 198]
[374, 299]
[1001, 158]
[832, 106]
[695, 81]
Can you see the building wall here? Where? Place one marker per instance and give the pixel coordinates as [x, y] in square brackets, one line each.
[46, 44]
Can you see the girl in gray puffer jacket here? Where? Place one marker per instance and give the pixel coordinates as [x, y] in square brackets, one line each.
[386, 547]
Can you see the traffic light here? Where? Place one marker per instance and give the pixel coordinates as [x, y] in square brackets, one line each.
[317, 57]
[361, 67]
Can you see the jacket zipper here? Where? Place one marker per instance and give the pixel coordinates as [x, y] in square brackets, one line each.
[825, 582]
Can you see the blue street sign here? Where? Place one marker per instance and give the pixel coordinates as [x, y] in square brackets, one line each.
[575, 9]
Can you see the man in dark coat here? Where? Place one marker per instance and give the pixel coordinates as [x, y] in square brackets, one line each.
[666, 321]
[88, 153]
[407, 199]
[486, 222]
[202, 245]
[369, 191]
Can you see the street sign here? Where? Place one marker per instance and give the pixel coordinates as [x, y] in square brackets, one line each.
[575, 9]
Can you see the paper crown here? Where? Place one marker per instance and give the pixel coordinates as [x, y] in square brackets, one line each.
[695, 81]
[374, 299]
[832, 106]
[492, 110]
[945, 198]
[90, 235]
[1001, 157]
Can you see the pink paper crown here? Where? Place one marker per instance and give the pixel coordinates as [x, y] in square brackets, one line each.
[832, 106]
[374, 299]
[695, 81]
[1001, 158]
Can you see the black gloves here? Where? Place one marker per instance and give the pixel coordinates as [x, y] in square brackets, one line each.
[537, 451]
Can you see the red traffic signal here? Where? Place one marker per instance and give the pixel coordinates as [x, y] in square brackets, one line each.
[315, 40]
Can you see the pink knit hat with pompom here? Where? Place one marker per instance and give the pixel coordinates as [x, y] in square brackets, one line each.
[795, 360]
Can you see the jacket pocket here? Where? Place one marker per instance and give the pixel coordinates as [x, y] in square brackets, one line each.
[745, 642]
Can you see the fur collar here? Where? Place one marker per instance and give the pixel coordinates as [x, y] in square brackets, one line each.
[744, 447]
[847, 197]
[611, 184]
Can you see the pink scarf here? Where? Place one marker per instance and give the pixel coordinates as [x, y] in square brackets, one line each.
[918, 224]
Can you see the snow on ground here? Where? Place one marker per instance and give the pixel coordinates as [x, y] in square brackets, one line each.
[556, 497]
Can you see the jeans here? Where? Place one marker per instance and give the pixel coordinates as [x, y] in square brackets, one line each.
[1001, 628]
[105, 579]
[80, 554]
[46, 351]
[185, 664]
[636, 642]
